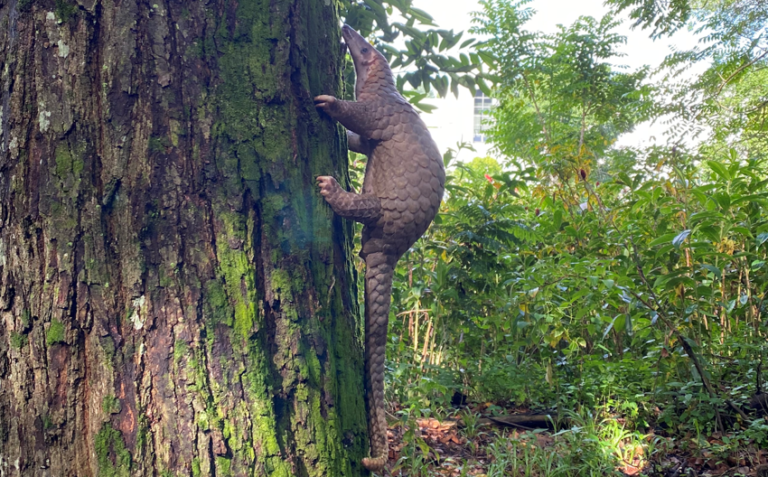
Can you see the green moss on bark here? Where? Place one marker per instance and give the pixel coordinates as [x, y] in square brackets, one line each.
[110, 405]
[113, 458]
[216, 304]
[26, 318]
[65, 10]
[67, 163]
[47, 422]
[55, 333]
[18, 340]
[180, 351]
[237, 274]
[223, 467]
[142, 434]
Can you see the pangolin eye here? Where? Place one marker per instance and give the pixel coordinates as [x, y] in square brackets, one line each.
[364, 50]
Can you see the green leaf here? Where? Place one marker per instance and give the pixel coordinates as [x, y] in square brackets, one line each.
[699, 216]
[748, 198]
[663, 250]
[719, 169]
[427, 108]
[743, 231]
[448, 157]
[621, 323]
[424, 447]
[488, 58]
[483, 86]
[712, 233]
[421, 15]
[578, 295]
[557, 220]
[624, 179]
[389, 48]
[637, 180]
[714, 270]
[723, 200]
[666, 238]
[685, 281]
[703, 291]
[376, 7]
[700, 195]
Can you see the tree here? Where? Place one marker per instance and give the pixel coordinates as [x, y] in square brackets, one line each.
[175, 297]
[725, 103]
[562, 101]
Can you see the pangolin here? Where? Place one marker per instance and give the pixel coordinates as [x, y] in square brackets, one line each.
[402, 190]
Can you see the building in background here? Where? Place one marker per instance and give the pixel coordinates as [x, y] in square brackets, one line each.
[459, 120]
[482, 114]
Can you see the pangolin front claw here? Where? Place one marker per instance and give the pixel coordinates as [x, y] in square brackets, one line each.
[325, 102]
[328, 185]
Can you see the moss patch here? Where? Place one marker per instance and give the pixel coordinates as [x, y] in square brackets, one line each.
[18, 340]
[180, 349]
[113, 458]
[142, 435]
[158, 144]
[55, 333]
[223, 466]
[63, 161]
[216, 302]
[47, 422]
[110, 405]
[26, 318]
[64, 10]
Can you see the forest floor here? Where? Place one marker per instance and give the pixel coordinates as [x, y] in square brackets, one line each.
[479, 443]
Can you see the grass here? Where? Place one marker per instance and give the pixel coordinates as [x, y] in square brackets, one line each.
[594, 444]
[590, 447]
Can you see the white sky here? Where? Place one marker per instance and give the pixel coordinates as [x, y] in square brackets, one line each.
[639, 49]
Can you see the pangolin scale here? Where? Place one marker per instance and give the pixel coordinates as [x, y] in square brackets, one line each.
[403, 186]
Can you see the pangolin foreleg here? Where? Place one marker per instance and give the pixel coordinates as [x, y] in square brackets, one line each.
[379, 269]
[363, 208]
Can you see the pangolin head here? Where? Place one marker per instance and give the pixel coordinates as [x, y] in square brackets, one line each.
[366, 58]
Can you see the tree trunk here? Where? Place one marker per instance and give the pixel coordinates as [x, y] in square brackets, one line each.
[175, 296]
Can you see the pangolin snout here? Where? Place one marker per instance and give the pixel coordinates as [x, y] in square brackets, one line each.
[351, 37]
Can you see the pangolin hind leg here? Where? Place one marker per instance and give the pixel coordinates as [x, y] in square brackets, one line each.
[379, 269]
[358, 144]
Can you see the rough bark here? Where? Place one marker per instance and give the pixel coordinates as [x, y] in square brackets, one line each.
[175, 297]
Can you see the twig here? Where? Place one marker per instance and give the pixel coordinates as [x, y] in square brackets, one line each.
[739, 70]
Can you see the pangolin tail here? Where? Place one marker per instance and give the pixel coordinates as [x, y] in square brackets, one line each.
[378, 293]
